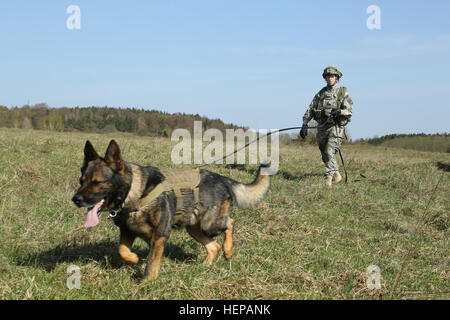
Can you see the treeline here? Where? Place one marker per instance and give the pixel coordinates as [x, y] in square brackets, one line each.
[103, 120]
[379, 140]
[439, 142]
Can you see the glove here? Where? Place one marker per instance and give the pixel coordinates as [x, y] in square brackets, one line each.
[336, 113]
[304, 131]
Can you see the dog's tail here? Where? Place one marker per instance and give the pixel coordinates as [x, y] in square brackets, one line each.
[248, 195]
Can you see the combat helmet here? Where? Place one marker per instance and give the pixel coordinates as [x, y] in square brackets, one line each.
[331, 70]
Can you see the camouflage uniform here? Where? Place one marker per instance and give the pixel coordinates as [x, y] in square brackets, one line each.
[331, 134]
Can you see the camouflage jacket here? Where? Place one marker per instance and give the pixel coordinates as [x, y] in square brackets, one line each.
[324, 102]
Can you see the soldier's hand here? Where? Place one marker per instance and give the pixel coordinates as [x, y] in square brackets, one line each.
[336, 113]
[304, 131]
[330, 120]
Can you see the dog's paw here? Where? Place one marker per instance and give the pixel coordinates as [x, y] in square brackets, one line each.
[130, 258]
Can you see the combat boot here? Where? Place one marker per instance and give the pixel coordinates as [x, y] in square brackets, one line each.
[328, 180]
[337, 177]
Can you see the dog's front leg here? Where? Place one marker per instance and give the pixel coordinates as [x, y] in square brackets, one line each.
[154, 256]
[126, 242]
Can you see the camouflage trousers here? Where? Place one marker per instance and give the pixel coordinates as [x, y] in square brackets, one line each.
[329, 141]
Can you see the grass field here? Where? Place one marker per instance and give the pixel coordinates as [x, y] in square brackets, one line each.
[303, 242]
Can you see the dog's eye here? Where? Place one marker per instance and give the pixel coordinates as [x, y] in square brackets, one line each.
[97, 181]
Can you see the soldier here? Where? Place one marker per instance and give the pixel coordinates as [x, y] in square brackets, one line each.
[332, 109]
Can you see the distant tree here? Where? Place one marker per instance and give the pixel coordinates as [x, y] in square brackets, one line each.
[26, 123]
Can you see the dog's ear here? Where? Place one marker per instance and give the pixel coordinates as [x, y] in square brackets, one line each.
[113, 157]
[89, 152]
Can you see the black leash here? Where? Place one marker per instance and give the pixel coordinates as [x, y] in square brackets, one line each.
[257, 139]
[343, 165]
[272, 132]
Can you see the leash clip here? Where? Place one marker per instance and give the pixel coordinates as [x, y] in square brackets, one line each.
[112, 213]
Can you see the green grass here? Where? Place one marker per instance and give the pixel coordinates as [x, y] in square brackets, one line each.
[303, 242]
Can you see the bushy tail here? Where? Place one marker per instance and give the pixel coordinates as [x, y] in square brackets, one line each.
[248, 195]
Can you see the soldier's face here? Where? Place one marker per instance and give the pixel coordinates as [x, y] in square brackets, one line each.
[331, 79]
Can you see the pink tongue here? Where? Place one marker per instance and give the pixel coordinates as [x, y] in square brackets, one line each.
[92, 217]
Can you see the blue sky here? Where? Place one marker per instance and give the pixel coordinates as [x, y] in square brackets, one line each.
[252, 63]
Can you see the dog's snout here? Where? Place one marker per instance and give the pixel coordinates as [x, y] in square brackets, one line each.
[77, 199]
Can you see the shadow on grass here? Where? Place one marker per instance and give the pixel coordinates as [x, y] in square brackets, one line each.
[104, 253]
[284, 174]
[443, 166]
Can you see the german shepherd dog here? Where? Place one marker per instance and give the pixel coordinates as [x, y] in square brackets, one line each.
[110, 183]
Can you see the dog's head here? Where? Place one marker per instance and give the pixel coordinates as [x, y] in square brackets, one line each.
[102, 183]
